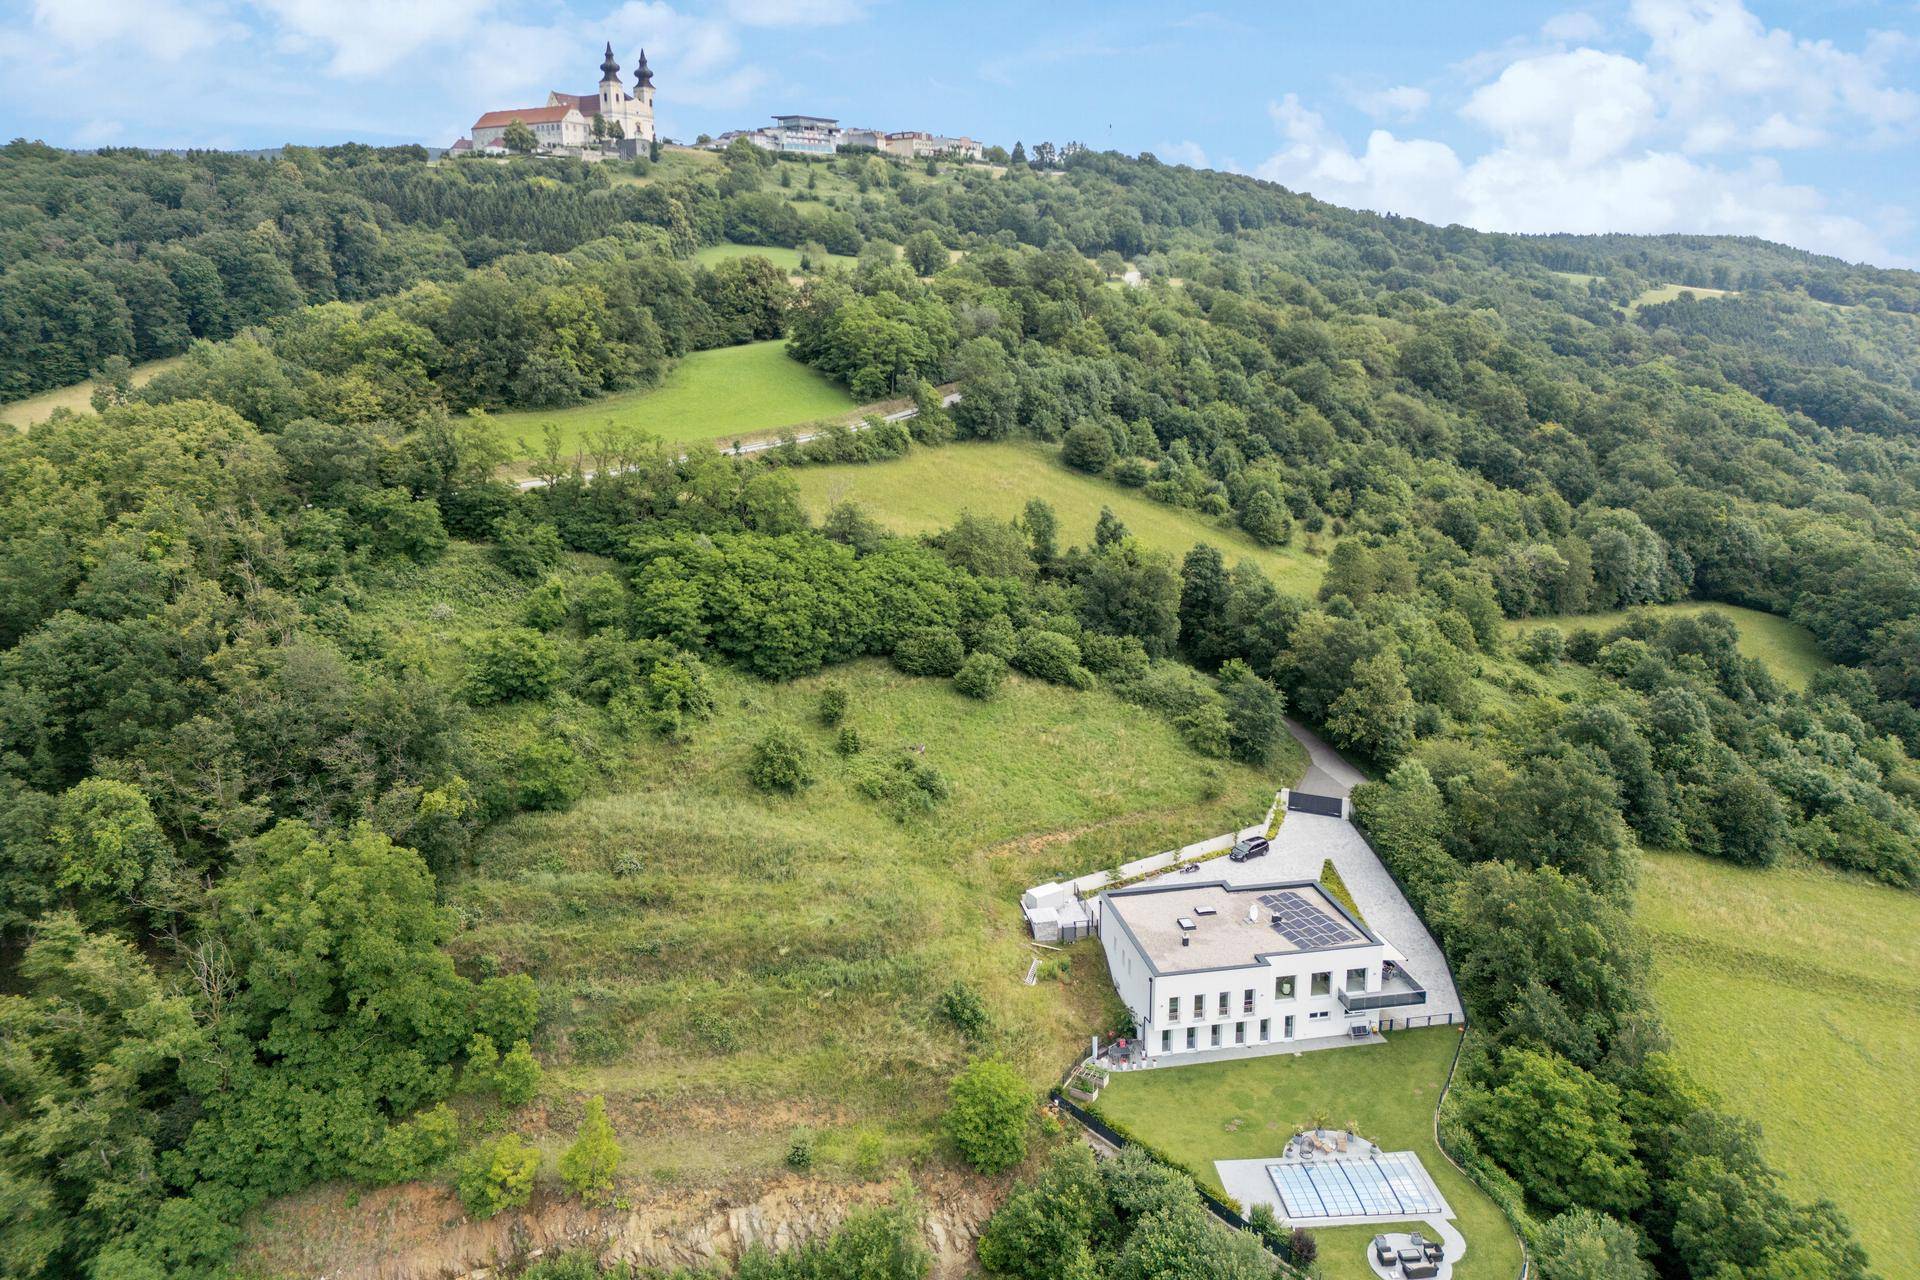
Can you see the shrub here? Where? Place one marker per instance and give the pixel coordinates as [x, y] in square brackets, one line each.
[832, 707]
[1087, 447]
[498, 1175]
[847, 742]
[961, 1005]
[517, 1078]
[547, 606]
[869, 1153]
[980, 676]
[600, 601]
[906, 786]
[510, 663]
[929, 651]
[1543, 646]
[547, 775]
[800, 1149]
[589, 1164]
[1205, 728]
[527, 548]
[989, 1111]
[780, 761]
[1133, 472]
[414, 1147]
[1303, 1246]
[1049, 655]
[506, 1007]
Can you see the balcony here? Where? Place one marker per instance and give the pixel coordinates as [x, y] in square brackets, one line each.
[1396, 992]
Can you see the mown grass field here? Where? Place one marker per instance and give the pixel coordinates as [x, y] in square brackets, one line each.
[928, 488]
[1668, 292]
[1795, 996]
[779, 255]
[713, 395]
[1248, 1109]
[78, 397]
[1787, 648]
[726, 966]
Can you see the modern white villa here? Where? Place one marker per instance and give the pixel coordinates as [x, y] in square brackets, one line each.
[1218, 966]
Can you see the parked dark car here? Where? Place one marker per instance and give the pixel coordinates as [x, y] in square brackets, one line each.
[1251, 847]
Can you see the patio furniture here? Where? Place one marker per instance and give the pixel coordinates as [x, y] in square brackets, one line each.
[1434, 1251]
[1422, 1270]
[1341, 1142]
[1382, 1251]
[1411, 1257]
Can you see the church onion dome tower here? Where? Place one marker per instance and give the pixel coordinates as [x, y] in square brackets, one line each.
[642, 74]
[609, 69]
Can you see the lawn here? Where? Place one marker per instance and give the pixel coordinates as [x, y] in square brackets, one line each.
[928, 488]
[726, 966]
[778, 255]
[713, 395]
[1247, 1109]
[78, 397]
[1668, 292]
[1795, 995]
[1787, 648]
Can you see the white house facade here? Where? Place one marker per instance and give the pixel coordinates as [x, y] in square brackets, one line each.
[1217, 966]
[578, 119]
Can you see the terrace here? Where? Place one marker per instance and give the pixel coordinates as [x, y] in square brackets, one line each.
[1397, 991]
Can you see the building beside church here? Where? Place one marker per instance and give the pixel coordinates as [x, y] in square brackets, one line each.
[610, 113]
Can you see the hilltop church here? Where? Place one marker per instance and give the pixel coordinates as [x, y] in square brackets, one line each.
[568, 119]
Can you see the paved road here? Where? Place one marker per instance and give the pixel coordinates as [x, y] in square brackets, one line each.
[1328, 772]
[761, 446]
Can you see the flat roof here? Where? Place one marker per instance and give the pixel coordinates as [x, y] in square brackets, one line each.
[1288, 918]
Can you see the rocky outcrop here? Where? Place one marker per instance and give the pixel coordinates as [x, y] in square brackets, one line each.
[422, 1233]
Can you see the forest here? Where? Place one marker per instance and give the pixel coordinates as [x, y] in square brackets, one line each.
[229, 799]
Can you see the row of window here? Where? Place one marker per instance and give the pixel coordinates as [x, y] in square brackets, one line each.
[1320, 984]
[1216, 1034]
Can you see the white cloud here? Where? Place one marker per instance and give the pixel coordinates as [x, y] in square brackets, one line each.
[1587, 141]
[159, 28]
[367, 37]
[1402, 102]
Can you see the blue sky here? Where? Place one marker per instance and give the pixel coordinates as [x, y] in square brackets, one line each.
[1798, 122]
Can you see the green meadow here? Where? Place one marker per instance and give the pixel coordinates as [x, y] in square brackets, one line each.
[716, 395]
[1795, 996]
[1247, 1109]
[779, 255]
[78, 397]
[929, 488]
[1787, 648]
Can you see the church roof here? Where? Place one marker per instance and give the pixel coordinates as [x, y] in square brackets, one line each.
[525, 115]
[609, 69]
[642, 73]
[587, 104]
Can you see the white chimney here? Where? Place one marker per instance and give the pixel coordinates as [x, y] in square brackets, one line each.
[1253, 913]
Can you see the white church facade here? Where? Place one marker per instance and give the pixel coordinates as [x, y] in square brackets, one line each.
[609, 114]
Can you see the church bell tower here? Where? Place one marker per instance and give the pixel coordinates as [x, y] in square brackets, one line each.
[611, 91]
[643, 99]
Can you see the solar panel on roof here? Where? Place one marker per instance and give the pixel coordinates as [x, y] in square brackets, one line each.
[1296, 919]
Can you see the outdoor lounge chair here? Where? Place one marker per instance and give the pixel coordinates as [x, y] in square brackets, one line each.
[1382, 1251]
[1422, 1270]
[1434, 1250]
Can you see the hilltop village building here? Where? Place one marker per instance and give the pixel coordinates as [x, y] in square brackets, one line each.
[568, 119]
[1222, 966]
[823, 136]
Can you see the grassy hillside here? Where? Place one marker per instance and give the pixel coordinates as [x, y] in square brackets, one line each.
[1668, 292]
[1796, 996]
[928, 488]
[1788, 649]
[709, 395]
[78, 397]
[726, 966]
[1248, 1109]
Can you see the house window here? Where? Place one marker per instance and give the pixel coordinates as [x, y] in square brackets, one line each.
[1173, 1008]
[1356, 979]
[1283, 988]
[1239, 1033]
[1191, 1032]
[1166, 1041]
[1323, 984]
[1263, 1030]
[1315, 1017]
[1215, 1039]
[1224, 997]
[1246, 1001]
[1286, 1028]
